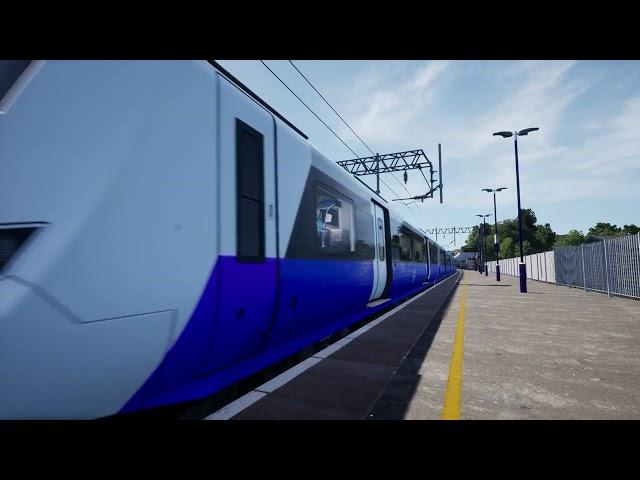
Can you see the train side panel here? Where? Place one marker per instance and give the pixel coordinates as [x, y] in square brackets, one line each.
[118, 158]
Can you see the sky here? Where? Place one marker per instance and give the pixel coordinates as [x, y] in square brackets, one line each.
[580, 168]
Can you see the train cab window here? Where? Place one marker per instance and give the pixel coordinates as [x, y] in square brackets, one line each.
[249, 193]
[334, 223]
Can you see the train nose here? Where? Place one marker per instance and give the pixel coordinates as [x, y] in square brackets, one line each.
[25, 323]
[52, 366]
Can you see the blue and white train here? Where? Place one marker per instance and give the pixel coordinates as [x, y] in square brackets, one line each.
[164, 233]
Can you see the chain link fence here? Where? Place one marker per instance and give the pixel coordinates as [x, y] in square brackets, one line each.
[610, 266]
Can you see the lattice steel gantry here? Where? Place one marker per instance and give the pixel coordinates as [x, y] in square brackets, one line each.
[446, 230]
[397, 162]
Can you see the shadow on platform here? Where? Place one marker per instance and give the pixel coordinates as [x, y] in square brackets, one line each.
[395, 400]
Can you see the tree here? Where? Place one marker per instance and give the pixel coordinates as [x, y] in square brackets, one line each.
[602, 229]
[545, 237]
[536, 238]
[574, 237]
[508, 248]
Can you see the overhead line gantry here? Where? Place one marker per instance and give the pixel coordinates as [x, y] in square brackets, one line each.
[397, 162]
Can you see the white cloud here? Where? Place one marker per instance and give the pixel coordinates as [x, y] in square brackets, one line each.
[398, 105]
[385, 114]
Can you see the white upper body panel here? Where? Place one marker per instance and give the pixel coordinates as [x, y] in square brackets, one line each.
[235, 104]
[294, 162]
[119, 157]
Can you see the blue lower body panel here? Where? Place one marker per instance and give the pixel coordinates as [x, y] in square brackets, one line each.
[312, 300]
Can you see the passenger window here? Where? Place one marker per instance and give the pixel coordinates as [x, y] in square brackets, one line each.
[395, 247]
[418, 251]
[249, 193]
[334, 223]
[405, 247]
[433, 251]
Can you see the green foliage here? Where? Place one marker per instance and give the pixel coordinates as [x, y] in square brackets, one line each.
[537, 238]
[508, 247]
[574, 237]
[604, 229]
[545, 237]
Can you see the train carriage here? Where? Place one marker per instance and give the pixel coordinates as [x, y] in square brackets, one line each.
[165, 233]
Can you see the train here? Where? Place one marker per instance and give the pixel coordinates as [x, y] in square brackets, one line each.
[165, 233]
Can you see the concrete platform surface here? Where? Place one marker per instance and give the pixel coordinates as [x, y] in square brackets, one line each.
[552, 353]
[345, 383]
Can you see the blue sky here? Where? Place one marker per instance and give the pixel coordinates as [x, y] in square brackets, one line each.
[582, 167]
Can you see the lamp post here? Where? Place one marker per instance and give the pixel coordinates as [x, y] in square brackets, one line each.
[522, 266]
[495, 222]
[479, 265]
[482, 261]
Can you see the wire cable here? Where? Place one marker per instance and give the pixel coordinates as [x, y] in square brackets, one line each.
[324, 123]
[334, 110]
[349, 127]
[309, 108]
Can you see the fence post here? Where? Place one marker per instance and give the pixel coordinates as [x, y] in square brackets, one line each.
[584, 276]
[606, 267]
[638, 277]
[545, 268]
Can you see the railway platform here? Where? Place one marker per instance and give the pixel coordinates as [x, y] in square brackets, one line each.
[470, 348]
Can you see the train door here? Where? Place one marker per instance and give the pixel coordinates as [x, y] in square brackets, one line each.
[381, 262]
[247, 267]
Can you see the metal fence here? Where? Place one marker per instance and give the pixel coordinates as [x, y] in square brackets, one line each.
[611, 266]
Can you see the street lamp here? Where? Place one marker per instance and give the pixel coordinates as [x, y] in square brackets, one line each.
[483, 268]
[495, 220]
[522, 266]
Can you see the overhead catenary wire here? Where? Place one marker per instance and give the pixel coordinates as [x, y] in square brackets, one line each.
[334, 110]
[309, 108]
[325, 124]
[349, 127]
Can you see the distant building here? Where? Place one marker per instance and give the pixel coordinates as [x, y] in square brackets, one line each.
[466, 260]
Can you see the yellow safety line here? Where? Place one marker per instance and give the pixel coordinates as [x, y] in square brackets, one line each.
[453, 393]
